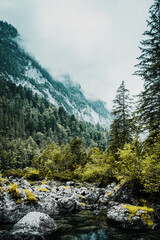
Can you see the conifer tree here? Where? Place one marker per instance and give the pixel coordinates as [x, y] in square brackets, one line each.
[120, 132]
[149, 70]
[78, 154]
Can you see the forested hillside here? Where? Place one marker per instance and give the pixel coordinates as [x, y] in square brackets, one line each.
[17, 66]
[29, 123]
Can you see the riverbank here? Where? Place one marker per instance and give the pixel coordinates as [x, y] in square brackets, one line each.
[19, 197]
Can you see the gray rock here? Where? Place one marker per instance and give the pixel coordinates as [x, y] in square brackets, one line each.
[36, 222]
[48, 205]
[25, 183]
[70, 183]
[67, 204]
[22, 235]
[120, 214]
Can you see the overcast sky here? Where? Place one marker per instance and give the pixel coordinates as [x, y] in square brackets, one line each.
[95, 41]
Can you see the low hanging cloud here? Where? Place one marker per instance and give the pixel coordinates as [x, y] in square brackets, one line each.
[95, 41]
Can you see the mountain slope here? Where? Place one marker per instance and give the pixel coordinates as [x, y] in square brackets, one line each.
[29, 123]
[19, 67]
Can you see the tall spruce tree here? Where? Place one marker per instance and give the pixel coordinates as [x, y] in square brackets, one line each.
[149, 70]
[121, 126]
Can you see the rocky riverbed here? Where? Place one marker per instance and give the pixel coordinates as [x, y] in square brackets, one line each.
[21, 200]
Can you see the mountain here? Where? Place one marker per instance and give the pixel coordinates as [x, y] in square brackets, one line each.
[22, 69]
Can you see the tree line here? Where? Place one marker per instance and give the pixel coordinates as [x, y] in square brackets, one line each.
[133, 159]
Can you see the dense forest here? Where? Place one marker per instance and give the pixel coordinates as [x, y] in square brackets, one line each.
[55, 145]
[28, 123]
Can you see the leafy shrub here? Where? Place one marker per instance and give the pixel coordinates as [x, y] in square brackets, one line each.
[32, 174]
[63, 176]
[151, 166]
[93, 173]
[129, 166]
[14, 172]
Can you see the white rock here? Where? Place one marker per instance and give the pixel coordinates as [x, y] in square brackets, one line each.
[37, 222]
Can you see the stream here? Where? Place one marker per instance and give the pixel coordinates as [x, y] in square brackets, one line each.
[91, 226]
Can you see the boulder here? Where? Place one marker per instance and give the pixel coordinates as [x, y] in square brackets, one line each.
[67, 204]
[130, 217]
[34, 225]
[36, 222]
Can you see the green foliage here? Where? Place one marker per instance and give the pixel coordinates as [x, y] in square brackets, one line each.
[29, 123]
[139, 164]
[15, 192]
[14, 172]
[129, 165]
[95, 156]
[93, 173]
[70, 162]
[63, 176]
[151, 166]
[32, 174]
[78, 154]
[122, 125]
[149, 70]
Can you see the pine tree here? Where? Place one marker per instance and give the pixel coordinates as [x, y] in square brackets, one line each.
[78, 154]
[120, 132]
[149, 70]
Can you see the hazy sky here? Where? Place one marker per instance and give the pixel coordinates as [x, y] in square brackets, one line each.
[95, 41]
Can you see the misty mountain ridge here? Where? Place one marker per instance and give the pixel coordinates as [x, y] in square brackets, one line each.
[22, 69]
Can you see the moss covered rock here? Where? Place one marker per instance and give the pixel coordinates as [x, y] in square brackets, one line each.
[131, 217]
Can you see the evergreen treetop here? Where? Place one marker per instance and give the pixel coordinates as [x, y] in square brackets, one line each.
[121, 126]
[149, 70]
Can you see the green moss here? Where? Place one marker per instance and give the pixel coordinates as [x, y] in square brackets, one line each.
[83, 204]
[44, 182]
[18, 201]
[43, 189]
[116, 187]
[30, 197]
[3, 189]
[144, 212]
[32, 183]
[80, 196]
[146, 218]
[15, 192]
[110, 193]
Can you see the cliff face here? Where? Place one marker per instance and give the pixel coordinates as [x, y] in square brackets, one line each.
[19, 67]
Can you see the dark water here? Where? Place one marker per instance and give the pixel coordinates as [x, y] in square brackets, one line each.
[92, 226]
